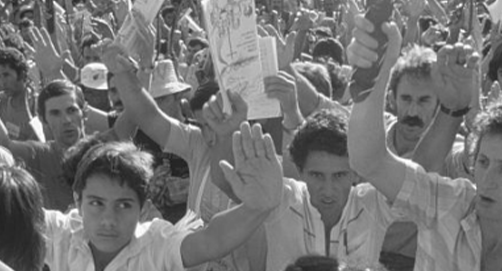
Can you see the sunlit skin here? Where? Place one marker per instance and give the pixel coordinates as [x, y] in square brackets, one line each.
[329, 180]
[415, 99]
[10, 81]
[110, 213]
[65, 119]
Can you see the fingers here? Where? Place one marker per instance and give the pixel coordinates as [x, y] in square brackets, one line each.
[232, 177]
[185, 109]
[237, 149]
[270, 152]
[238, 103]
[247, 141]
[363, 23]
[259, 144]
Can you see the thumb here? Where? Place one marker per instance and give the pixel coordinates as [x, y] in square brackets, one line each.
[238, 103]
[232, 177]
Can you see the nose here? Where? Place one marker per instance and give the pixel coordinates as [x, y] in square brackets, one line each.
[413, 109]
[328, 188]
[66, 118]
[109, 218]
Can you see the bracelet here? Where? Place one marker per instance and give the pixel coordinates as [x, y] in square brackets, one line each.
[456, 113]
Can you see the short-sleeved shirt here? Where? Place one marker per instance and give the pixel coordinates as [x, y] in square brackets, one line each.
[296, 228]
[449, 235]
[155, 245]
[402, 236]
[204, 198]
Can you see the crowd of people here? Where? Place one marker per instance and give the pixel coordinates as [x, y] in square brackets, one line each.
[112, 159]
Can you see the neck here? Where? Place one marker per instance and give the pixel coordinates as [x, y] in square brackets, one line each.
[18, 100]
[491, 233]
[101, 259]
[402, 144]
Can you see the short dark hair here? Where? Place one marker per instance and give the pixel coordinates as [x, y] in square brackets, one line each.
[58, 88]
[202, 95]
[121, 161]
[326, 130]
[329, 48]
[22, 227]
[74, 155]
[15, 60]
[416, 62]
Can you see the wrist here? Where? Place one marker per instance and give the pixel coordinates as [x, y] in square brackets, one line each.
[455, 112]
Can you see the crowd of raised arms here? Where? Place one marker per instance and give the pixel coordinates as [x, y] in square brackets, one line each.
[386, 156]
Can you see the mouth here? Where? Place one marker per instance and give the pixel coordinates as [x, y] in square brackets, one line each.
[106, 235]
[486, 200]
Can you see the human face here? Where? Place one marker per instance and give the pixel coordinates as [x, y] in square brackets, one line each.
[90, 56]
[415, 103]
[191, 52]
[110, 213]
[488, 177]
[329, 179]
[207, 132]
[170, 105]
[65, 119]
[114, 96]
[10, 82]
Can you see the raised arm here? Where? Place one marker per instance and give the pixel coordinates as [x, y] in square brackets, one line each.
[256, 178]
[368, 152]
[454, 74]
[224, 126]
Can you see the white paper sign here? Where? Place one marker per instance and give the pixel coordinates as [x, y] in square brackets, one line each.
[231, 28]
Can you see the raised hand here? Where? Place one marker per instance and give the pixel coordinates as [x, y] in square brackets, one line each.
[115, 58]
[361, 51]
[222, 124]
[146, 44]
[283, 88]
[256, 177]
[46, 56]
[455, 75]
[285, 47]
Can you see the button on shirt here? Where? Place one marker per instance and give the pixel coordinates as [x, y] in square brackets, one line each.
[296, 228]
[449, 235]
[154, 246]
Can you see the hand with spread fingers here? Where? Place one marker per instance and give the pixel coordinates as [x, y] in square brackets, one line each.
[283, 88]
[46, 56]
[285, 47]
[256, 176]
[115, 58]
[222, 124]
[455, 76]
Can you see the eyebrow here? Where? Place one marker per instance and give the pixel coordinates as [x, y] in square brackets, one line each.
[103, 199]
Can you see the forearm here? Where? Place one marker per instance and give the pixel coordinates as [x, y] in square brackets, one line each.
[136, 99]
[299, 43]
[226, 231]
[433, 148]
[366, 134]
[411, 35]
[222, 151]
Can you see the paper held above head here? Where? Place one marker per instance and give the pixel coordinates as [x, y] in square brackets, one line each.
[235, 50]
[496, 11]
[128, 32]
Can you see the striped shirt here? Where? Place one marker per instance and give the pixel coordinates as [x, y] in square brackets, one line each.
[449, 235]
[296, 228]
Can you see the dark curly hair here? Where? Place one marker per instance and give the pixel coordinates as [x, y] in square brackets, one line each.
[488, 122]
[14, 59]
[326, 130]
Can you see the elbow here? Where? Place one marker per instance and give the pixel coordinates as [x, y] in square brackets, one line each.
[365, 161]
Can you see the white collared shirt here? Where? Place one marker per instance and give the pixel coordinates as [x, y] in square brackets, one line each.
[154, 246]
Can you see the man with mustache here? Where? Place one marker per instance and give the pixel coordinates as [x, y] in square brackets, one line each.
[412, 98]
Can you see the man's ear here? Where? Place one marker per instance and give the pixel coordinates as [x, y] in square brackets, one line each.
[85, 111]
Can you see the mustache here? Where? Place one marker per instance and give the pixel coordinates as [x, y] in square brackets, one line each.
[413, 121]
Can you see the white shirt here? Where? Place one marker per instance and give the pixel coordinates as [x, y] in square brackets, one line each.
[154, 246]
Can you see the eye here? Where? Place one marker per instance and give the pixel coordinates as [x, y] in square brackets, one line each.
[96, 203]
[339, 175]
[483, 162]
[72, 110]
[125, 205]
[316, 175]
